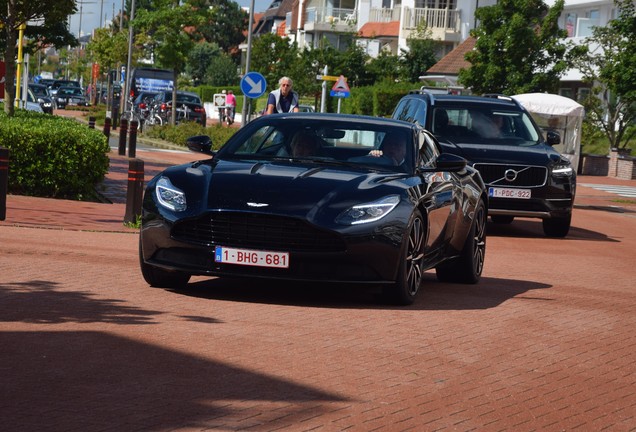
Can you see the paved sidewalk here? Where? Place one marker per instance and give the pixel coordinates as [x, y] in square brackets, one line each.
[35, 212]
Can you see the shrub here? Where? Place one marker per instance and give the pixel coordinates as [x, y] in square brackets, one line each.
[180, 133]
[52, 156]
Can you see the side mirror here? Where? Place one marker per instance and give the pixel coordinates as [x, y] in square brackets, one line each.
[200, 144]
[450, 162]
[553, 138]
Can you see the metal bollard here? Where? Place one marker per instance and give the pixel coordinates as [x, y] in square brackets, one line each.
[4, 181]
[123, 131]
[132, 142]
[91, 122]
[135, 190]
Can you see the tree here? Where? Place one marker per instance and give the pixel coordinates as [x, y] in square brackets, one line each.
[172, 28]
[44, 26]
[607, 61]
[385, 67]
[420, 56]
[519, 49]
[222, 71]
[199, 60]
[274, 57]
[224, 24]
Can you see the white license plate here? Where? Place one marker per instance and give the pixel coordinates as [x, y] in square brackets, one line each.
[250, 257]
[509, 193]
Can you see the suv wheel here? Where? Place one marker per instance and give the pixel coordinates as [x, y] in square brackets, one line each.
[557, 227]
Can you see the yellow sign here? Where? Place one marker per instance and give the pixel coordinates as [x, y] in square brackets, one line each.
[328, 78]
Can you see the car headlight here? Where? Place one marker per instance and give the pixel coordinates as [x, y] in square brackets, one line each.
[564, 169]
[368, 212]
[169, 195]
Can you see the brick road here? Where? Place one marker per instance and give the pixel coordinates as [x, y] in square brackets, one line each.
[546, 341]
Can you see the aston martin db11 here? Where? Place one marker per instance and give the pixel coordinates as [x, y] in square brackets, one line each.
[318, 197]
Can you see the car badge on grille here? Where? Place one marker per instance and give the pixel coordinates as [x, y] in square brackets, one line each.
[510, 175]
[253, 204]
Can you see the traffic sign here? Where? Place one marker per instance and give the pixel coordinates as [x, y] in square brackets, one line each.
[340, 88]
[327, 77]
[253, 84]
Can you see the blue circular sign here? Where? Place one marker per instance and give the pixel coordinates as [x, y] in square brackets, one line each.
[253, 84]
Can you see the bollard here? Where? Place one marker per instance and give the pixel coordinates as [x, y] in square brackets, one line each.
[132, 142]
[107, 127]
[91, 122]
[123, 131]
[4, 181]
[134, 194]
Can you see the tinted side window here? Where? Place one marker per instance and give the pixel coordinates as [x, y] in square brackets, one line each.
[406, 110]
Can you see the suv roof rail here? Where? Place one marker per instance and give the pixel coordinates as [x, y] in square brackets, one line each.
[502, 97]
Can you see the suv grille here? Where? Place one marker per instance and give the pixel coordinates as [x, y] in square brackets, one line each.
[258, 231]
[512, 175]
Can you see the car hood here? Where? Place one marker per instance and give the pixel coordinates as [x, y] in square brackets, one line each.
[539, 154]
[281, 187]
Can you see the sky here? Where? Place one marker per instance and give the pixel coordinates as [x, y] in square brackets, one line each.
[91, 16]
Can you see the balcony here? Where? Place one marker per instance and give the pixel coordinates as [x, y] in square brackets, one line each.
[329, 19]
[445, 24]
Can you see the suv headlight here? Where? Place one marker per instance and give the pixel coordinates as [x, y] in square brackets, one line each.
[563, 169]
[170, 196]
[368, 212]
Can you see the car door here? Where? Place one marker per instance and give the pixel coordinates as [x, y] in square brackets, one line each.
[439, 192]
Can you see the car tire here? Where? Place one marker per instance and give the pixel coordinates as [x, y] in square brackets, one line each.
[467, 267]
[410, 271]
[502, 219]
[160, 278]
[557, 227]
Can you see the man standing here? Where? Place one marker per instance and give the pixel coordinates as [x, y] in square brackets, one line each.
[284, 99]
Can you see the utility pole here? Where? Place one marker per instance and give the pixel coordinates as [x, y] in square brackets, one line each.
[247, 61]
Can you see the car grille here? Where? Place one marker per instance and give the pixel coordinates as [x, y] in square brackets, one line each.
[526, 176]
[258, 231]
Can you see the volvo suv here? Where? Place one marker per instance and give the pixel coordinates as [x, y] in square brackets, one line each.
[525, 176]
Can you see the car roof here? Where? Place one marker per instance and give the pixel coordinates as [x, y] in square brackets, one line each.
[490, 99]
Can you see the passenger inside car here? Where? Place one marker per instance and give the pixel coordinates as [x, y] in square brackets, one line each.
[305, 144]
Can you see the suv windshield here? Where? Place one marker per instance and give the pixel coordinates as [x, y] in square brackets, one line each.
[483, 125]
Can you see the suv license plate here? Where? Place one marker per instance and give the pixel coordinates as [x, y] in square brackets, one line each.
[509, 193]
[257, 258]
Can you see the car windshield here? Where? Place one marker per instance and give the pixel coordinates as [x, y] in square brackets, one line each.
[374, 146]
[483, 125]
[70, 91]
[39, 90]
[187, 98]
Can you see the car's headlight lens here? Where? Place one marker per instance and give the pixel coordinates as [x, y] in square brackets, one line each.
[563, 169]
[169, 195]
[368, 212]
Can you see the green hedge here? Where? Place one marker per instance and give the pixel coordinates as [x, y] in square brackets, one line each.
[180, 133]
[52, 156]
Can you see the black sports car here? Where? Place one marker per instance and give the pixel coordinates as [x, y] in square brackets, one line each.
[318, 197]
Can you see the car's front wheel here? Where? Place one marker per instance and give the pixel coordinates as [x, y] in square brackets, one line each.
[558, 226]
[410, 270]
[160, 278]
[467, 267]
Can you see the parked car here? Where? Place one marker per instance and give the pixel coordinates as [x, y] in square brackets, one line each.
[57, 84]
[70, 96]
[40, 94]
[344, 214]
[30, 106]
[189, 106]
[525, 176]
[306, 108]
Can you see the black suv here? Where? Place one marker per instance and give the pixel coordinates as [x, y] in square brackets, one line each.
[525, 176]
